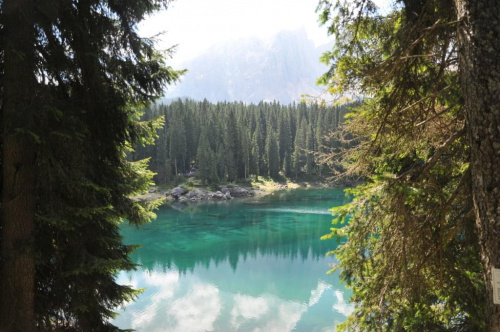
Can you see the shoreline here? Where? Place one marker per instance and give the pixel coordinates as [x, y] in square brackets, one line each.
[230, 191]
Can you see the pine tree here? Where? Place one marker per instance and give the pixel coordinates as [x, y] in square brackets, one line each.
[287, 164]
[260, 138]
[298, 157]
[255, 158]
[85, 69]
[177, 142]
[246, 150]
[19, 142]
[192, 131]
[206, 160]
[273, 156]
[309, 152]
[230, 144]
[284, 141]
[160, 161]
[321, 130]
[221, 157]
[422, 234]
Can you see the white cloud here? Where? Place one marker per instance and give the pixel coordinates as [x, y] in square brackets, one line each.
[163, 284]
[247, 307]
[198, 310]
[316, 293]
[289, 313]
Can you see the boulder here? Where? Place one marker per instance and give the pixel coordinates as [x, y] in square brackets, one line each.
[217, 195]
[236, 191]
[197, 195]
[178, 192]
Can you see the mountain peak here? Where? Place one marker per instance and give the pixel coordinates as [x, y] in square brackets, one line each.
[281, 68]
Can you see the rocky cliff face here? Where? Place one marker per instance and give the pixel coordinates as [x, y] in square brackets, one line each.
[252, 70]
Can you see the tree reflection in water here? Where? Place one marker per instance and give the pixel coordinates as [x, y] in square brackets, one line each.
[237, 266]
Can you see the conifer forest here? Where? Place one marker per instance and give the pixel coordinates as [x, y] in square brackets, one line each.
[231, 141]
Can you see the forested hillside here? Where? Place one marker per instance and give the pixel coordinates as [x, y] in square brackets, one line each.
[230, 141]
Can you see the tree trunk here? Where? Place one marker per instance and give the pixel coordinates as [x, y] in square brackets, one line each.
[18, 158]
[479, 58]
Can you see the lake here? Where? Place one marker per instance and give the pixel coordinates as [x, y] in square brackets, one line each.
[243, 265]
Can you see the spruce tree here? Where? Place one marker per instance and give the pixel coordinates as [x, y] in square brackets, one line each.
[87, 72]
[18, 87]
[206, 160]
[177, 141]
[309, 152]
[221, 162]
[273, 156]
[284, 140]
[231, 147]
[298, 157]
[423, 230]
[255, 158]
[320, 133]
[246, 150]
[162, 174]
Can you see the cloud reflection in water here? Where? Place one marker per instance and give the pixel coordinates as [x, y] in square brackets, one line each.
[175, 301]
[237, 267]
[197, 311]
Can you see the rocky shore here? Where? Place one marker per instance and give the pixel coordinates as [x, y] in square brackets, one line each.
[182, 194]
[226, 192]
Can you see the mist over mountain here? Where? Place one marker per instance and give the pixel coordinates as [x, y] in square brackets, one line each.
[251, 70]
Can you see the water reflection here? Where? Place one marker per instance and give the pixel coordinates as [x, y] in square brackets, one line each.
[237, 267]
[187, 303]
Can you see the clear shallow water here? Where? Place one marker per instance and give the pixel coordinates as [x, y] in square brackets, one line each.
[243, 265]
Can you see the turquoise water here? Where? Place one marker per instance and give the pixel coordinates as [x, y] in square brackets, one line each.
[243, 265]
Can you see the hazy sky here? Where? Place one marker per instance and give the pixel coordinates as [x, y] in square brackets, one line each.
[195, 25]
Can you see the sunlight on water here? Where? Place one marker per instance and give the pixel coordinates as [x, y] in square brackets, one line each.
[235, 266]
